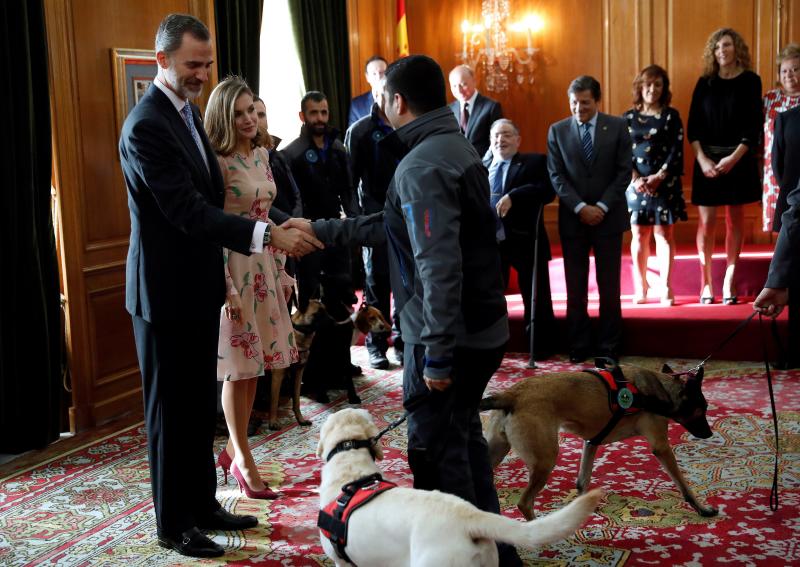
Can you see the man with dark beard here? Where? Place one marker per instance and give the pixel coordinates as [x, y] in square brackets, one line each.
[319, 163]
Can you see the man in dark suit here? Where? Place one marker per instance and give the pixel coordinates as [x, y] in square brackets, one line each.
[360, 106]
[589, 159]
[786, 166]
[520, 188]
[475, 113]
[175, 284]
[775, 295]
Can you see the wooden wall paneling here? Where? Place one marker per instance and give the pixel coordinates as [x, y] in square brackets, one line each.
[95, 227]
[372, 32]
[790, 21]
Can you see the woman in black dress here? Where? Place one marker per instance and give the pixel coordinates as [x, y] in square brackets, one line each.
[655, 195]
[725, 121]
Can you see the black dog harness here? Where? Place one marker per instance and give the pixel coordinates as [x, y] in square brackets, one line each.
[624, 398]
[334, 518]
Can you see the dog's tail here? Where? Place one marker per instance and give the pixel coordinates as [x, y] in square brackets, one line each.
[547, 529]
[500, 401]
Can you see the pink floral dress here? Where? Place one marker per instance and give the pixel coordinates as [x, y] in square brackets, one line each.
[264, 338]
[774, 102]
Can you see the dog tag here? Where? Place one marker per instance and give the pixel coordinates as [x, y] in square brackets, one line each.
[625, 398]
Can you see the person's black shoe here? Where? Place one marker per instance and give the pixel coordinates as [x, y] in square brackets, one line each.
[577, 357]
[192, 543]
[225, 521]
[786, 364]
[613, 357]
[355, 370]
[398, 356]
[322, 397]
[378, 361]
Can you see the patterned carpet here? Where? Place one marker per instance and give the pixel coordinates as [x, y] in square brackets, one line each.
[91, 506]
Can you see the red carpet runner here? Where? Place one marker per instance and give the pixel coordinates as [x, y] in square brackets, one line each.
[91, 506]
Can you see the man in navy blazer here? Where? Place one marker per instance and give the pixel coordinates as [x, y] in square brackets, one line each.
[589, 159]
[175, 284]
[475, 113]
[361, 106]
[519, 189]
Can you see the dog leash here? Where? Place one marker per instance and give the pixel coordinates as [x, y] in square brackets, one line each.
[773, 495]
[397, 423]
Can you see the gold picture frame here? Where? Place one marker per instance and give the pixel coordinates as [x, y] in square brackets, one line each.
[134, 70]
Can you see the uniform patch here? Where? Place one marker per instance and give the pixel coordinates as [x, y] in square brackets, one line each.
[311, 156]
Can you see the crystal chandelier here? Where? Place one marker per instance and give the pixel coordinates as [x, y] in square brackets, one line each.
[486, 46]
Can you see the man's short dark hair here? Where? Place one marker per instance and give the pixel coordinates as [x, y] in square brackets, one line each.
[585, 83]
[172, 28]
[314, 96]
[373, 59]
[419, 80]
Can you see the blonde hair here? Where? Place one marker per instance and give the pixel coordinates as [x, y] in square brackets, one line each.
[220, 115]
[790, 51]
[711, 67]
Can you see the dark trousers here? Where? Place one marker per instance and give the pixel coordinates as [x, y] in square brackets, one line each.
[377, 292]
[446, 447]
[519, 254]
[608, 262]
[178, 362]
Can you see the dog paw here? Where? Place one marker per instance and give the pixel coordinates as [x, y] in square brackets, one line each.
[707, 512]
[304, 422]
[275, 425]
[353, 399]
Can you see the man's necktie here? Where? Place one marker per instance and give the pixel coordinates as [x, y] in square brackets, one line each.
[494, 198]
[186, 113]
[586, 140]
[464, 117]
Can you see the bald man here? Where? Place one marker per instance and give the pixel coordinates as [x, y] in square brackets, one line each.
[475, 113]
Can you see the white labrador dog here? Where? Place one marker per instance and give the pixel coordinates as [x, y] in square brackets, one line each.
[409, 527]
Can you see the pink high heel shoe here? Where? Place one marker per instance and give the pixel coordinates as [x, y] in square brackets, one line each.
[224, 462]
[266, 494]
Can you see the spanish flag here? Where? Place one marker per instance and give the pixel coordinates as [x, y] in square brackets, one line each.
[401, 30]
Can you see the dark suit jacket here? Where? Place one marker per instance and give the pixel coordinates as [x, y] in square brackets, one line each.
[174, 269]
[359, 107]
[481, 118]
[787, 248]
[528, 185]
[604, 179]
[786, 157]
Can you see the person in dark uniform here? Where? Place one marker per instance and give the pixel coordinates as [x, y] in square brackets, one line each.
[373, 168]
[320, 165]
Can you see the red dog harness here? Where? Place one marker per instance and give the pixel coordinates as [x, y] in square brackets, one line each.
[624, 399]
[335, 517]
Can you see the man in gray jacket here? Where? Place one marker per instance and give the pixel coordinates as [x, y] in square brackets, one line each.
[446, 280]
[447, 286]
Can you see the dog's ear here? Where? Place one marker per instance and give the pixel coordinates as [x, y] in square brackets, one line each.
[666, 369]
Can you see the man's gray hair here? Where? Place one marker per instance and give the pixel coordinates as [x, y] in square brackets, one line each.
[172, 28]
[504, 122]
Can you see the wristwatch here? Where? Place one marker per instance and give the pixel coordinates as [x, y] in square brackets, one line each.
[267, 235]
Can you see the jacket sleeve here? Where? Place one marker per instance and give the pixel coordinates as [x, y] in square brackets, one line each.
[365, 230]
[752, 120]
[558, 172]
[787, 245]
[778, 148]
[432, 214]
[614, 195]
[153, 156]
[674, 159]
[537, 189]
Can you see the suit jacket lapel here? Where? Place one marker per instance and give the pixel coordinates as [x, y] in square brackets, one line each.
[474, 113]
[600, 136]
[513, 170]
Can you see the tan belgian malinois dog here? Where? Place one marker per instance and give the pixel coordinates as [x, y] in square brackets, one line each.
[528, 416]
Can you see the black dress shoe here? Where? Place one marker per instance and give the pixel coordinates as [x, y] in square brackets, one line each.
[355, 370]
[225, 521]
[378, 361]
[612, 357]
[192, 543]
[578, 357]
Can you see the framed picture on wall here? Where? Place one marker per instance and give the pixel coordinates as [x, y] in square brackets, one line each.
[134, 71]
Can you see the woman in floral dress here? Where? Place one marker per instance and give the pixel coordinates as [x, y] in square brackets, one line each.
[786, 96]
[255, 329]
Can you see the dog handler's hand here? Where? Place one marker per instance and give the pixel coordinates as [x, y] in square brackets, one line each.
[771, 301]
[294, 241]
[440, 385]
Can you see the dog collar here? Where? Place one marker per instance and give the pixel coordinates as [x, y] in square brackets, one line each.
[305, 329]
[352, 445]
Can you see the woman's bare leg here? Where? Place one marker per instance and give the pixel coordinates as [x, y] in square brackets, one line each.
[707, 223]
[665, 251]
[640, 251]
[734, 235]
